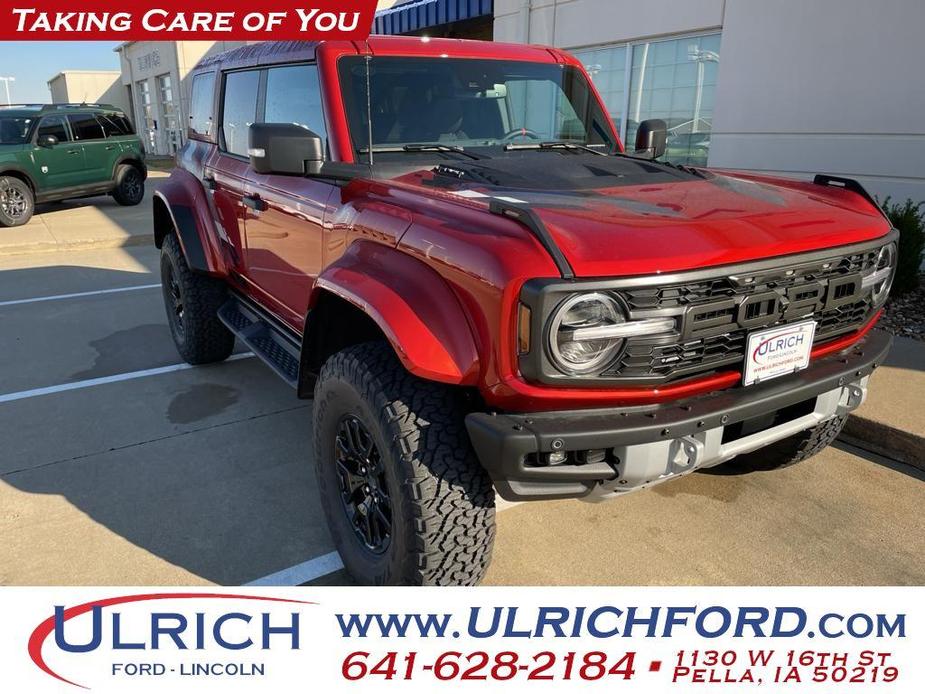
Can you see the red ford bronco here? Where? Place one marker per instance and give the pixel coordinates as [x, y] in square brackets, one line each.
[446, 246]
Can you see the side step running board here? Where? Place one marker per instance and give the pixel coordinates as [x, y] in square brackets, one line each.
[265, 339]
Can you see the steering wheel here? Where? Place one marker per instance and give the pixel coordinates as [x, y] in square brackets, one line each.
[522, 132]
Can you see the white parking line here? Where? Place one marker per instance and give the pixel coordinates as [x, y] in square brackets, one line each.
[302, 573]
[78, 295]
[89, 383]
[327, 563]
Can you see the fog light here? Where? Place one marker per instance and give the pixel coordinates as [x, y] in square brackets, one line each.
[556, 458]
[595, 455]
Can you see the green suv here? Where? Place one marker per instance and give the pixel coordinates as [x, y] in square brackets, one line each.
[58, 151]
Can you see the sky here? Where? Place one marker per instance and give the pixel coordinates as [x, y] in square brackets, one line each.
[33, 63]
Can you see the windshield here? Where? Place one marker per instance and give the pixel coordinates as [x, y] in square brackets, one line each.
[468, 103]
[13, 130]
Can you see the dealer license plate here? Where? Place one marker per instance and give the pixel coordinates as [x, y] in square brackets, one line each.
[778, 351]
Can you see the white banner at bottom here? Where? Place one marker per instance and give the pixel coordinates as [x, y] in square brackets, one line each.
[325, 639]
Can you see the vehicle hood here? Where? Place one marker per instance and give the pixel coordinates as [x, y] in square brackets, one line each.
[614, 216]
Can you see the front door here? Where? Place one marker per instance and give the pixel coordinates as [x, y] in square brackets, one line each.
[285, 245]
[60, 165]
[99, 153]
[285, 240]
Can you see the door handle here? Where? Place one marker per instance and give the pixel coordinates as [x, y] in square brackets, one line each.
[73, 151]
[109, 148]
[255, 202]
[209, 182]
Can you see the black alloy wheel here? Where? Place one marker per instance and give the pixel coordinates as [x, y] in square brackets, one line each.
[363, 488]
[174, 296]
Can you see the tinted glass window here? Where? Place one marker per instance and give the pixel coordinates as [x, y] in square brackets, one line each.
[239, 110]
[200, 120]
[54, 125]
[114, 125]
[294, 96]
[86, 127]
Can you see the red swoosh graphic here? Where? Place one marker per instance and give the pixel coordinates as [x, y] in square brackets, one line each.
[42, 631]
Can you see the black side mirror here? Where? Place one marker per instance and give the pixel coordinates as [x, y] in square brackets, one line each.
[285, 148]
[652, 138]
[47, 141]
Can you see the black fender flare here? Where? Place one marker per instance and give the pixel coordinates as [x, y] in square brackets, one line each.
[180, 205]
[21, 172]
[131, 159]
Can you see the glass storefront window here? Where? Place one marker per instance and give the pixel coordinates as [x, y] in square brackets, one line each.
[607, 67]
[169, 113]
[675, 80]
[671, 79]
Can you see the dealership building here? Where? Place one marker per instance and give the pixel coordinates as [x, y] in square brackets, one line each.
[154, 80]
[793, 87]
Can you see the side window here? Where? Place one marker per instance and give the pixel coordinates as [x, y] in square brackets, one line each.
[239, 110]
[114, 125]
[201, 100]
[294, 96]
[54, 125]
[86, 127]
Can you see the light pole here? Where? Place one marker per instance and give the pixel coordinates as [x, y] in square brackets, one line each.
[6, 82]
[700, 56]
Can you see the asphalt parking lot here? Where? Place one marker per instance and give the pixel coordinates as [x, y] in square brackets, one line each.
[120, 466]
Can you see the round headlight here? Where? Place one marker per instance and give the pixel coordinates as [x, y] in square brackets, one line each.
[580, 313]
[886, 268]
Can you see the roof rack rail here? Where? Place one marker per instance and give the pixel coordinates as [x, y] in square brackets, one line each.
[60, 107]
[84, 104]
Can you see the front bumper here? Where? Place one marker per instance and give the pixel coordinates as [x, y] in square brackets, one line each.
[648, 445]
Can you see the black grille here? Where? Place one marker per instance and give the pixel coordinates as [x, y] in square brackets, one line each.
[715, 316]
[694, 293]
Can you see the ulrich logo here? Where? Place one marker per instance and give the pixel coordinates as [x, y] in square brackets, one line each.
[178, 631]
[776, 344]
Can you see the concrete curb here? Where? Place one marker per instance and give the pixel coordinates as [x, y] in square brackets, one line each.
[88, 244]
[883, 439]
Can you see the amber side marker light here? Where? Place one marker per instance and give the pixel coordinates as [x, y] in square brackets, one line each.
[523, 329]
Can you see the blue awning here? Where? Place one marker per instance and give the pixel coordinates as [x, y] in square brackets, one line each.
[421, 14]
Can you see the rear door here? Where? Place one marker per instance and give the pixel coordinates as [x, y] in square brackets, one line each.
[99, 153]
[225, 171]
[61, 165]
[119, 136]
[285, 235]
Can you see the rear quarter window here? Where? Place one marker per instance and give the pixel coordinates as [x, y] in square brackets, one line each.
[115, 125]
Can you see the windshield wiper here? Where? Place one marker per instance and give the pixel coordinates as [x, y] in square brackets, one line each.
[421, 148]
[551, 145]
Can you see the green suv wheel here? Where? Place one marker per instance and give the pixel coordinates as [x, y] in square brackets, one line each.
[17, 203]
[130, 186]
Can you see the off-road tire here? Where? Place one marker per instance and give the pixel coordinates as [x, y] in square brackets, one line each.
[130, 186]
[793, 449]
[16, 194]
[442, 500]
[199, 335]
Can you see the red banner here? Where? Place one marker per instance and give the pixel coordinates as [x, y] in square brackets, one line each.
[170, 20]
